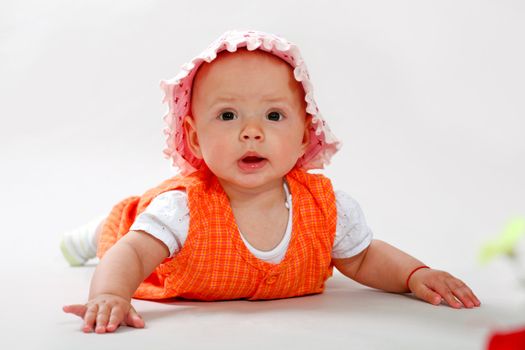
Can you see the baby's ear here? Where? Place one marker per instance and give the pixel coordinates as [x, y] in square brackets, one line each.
[192, 139]
[307, 131]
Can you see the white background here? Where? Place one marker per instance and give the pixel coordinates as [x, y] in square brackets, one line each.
[427, 97]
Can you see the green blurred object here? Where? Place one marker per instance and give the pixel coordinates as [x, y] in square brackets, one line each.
[506, 242]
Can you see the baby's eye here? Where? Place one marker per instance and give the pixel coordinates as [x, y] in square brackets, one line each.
[275, 116]
[227, 116]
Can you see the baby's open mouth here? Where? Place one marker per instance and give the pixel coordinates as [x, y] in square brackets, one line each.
[252, 159]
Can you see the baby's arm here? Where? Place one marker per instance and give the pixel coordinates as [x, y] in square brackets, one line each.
[118, 275]
[385, 267]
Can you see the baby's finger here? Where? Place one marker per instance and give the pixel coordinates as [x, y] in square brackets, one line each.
[102, 318]
[475, 299]
[116, 317]
[448, 296]
[463, 293]
[76, 309]
[90, 317]
[428, 295]
[133, 319]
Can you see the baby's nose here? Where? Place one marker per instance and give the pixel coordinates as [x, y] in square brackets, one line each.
[252, 133]
[251, 136]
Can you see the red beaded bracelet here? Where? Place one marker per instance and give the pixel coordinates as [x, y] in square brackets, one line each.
[414, 271]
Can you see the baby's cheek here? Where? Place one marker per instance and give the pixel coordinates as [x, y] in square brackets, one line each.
[214, 150]
[290, 144]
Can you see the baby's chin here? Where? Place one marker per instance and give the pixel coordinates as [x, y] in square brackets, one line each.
[253, 181]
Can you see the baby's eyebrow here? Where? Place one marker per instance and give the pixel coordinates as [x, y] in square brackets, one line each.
[224, 99]
[274, 99]
[268, 98]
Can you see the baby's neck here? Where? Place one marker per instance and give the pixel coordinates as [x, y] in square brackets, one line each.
[266, 197]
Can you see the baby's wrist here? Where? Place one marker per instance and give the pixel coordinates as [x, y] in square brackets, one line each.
[411, 274]
[109, 295]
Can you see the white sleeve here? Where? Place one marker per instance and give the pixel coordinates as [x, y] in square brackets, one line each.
[352, 234]
[166, 218]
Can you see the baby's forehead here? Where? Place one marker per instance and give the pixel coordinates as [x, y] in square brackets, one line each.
[249, 58]
[232, 65]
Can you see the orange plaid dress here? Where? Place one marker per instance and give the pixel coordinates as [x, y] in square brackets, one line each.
[215, 264]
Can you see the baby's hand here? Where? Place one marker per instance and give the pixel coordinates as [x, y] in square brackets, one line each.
[433, 286]
[105, 313]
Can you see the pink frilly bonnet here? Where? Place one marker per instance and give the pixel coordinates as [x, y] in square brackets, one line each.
[323, 143]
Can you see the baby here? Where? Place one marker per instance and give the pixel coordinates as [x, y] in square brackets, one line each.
[243, 219]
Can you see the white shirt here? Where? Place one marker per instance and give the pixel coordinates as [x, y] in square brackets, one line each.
[167, 218]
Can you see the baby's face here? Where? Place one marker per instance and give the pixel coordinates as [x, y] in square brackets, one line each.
[249, 122]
